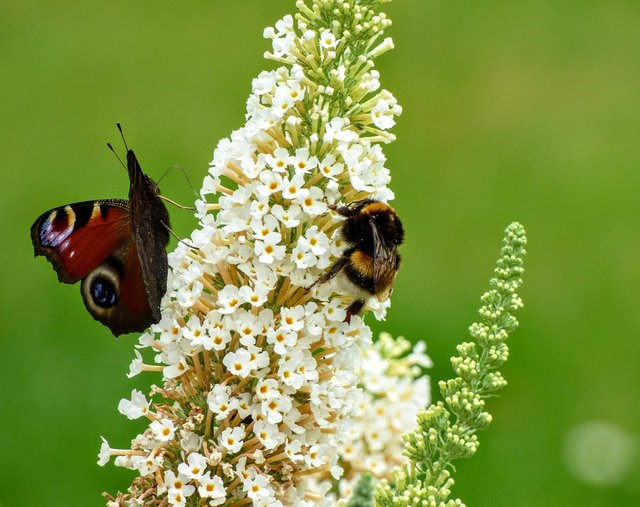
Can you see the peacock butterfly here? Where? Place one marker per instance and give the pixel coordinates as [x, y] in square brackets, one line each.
[116, 247]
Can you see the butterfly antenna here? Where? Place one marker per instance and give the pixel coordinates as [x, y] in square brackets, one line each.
[117, 156]
[122, 135]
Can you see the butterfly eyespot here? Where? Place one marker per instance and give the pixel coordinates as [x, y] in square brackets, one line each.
[103, 292]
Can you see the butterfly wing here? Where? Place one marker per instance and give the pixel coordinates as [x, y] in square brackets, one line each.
[385, 264]
[114, 292]
[93, 241]
[77, 238]
[150, 225]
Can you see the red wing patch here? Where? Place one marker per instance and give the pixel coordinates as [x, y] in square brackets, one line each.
[78, 237]
[133, 295]
[130, 310]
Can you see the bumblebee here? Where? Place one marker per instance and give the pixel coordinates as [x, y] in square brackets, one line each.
[368, 267]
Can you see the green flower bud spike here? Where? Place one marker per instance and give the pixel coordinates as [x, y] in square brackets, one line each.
[447, 430]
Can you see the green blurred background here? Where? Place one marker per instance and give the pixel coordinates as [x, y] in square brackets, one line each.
[523, 110]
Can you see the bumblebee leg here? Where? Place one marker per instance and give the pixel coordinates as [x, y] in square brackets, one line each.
[345, 211]
[335, 269]
[354, 309]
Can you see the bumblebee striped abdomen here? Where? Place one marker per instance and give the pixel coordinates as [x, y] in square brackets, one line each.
[359, 270]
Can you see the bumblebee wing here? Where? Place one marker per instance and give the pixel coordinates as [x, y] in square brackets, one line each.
[385, 264]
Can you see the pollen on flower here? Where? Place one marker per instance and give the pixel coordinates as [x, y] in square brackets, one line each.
[262, 377]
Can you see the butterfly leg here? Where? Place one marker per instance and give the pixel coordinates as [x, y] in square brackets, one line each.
[177, 205]
[178, 238]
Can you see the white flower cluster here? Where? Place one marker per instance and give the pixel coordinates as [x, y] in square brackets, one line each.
[260, 373]
[395, 389]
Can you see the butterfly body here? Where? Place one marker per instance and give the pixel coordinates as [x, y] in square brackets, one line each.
[116, 247]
